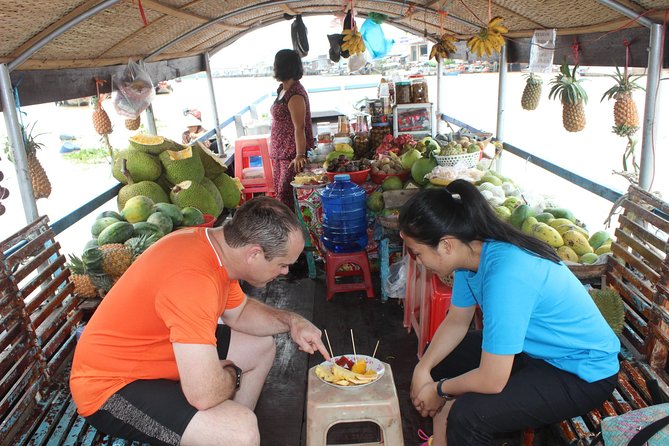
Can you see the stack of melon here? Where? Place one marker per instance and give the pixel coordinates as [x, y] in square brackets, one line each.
[168, 172]
[119, 238]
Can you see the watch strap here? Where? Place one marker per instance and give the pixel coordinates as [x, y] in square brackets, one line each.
[441, 393]
[238, 375]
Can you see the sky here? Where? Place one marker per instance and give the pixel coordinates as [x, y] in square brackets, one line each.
[261, 45]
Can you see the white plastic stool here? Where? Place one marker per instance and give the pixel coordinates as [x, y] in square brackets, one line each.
[376, 403]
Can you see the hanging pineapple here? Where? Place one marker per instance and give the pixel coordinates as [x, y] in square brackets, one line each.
[101, 120]
[532, 92]
[573, 97]
[625, 114]
[40, 181]
[133, 124]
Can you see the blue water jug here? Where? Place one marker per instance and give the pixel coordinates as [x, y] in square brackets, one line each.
[344, 216]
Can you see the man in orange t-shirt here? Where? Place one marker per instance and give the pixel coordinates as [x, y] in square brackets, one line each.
[176, 354]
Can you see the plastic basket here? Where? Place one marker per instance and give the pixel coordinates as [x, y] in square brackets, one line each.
[469, 159]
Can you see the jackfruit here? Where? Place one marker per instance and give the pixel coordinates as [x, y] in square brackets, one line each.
[229, 191]
[146, 188]
[191, 194]
[213, 190]
[152, 144]
[140, 165]
[611, 306]
[213, 165]
[182, 166]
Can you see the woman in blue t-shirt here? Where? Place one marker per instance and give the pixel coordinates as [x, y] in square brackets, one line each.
[545, 352]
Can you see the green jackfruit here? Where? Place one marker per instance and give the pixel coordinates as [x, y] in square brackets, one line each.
[213, 190]
[141, 166]
[229, 191]
[611, 306]
[184, 165]
[146, 188]
[213, 165]
[191, 194]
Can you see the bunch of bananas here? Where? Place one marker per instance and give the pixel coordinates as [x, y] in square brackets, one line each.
[444, 47]
[352, 42]
[490, 39]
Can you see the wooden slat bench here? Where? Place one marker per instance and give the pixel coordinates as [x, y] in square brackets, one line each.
[639, 271]
[38, 318]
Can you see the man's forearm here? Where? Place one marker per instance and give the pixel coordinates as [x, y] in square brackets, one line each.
[259, 319]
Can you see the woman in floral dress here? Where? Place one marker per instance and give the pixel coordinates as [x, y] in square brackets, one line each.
[291, 133]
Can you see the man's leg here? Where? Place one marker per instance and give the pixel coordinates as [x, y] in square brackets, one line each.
[157, 412]
[255, 356]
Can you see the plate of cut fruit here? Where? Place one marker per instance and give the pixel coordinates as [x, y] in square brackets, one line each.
[350, 371]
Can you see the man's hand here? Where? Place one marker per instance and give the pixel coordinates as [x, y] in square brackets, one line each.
[307, 336]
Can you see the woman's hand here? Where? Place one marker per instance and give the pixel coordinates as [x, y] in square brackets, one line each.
[298, 163]
[420, 381]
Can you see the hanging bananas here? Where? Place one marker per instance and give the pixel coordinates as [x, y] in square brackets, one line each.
[444, 47]
[352, 42]
[490, 39]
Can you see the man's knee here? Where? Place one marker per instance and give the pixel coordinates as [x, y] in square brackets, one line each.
[248, 423]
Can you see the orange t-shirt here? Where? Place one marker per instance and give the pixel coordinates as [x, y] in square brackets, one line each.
[175, 292]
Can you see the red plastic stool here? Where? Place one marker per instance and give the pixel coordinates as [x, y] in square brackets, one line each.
[245, 148]
[441, 302]
[334, 261]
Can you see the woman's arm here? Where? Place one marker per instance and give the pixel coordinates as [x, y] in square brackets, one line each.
[298, 109]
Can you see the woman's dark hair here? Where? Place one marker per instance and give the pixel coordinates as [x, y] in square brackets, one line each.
[288, 65]
[460, 211]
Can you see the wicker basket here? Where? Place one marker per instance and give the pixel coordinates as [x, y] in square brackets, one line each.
[469, 159]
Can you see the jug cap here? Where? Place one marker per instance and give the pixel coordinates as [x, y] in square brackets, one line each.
[342, 177]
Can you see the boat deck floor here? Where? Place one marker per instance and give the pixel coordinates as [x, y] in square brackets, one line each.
[281, 409]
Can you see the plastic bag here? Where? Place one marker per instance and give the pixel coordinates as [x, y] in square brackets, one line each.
[375, 41]
[356, 62]
[133, 91]
[395, 284]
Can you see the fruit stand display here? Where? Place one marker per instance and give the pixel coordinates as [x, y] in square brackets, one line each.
[166, 187]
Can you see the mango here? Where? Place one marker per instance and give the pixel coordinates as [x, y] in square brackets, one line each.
[567, 254]
[588, 258]
[519, 214]
[512, 202]
[606, 247]
[598, 239]
[559, 222]
[577, 241]
[547, 234]
[561, 213]
[545, 217]
[528, 224]
[502, 212]
[564, 228]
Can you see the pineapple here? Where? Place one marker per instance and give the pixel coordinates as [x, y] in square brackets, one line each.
[132, 124]
[137, 245]
[38, 177]
[625, 114]
[83, 286]
[532, 92]
[101, 120]
[572, 95]
[116, 258]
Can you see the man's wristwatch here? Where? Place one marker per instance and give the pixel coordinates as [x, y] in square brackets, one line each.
[238, 372]
[443, 395]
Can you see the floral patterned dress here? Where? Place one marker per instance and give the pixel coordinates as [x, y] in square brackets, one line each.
[282, 141]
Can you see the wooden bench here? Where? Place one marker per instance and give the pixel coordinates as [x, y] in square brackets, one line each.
[38, 319]
[639, 271]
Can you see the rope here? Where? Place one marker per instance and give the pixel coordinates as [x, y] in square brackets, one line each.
[141, 12]
[442, 14]
[472, 12]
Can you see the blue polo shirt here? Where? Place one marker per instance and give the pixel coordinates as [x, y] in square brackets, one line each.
[538, 307]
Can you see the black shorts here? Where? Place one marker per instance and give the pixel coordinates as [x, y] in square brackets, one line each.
[152, 411]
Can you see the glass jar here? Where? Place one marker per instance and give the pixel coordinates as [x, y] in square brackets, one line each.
[361, 145]
[376, 135]
[419, 90]
[403, 92]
